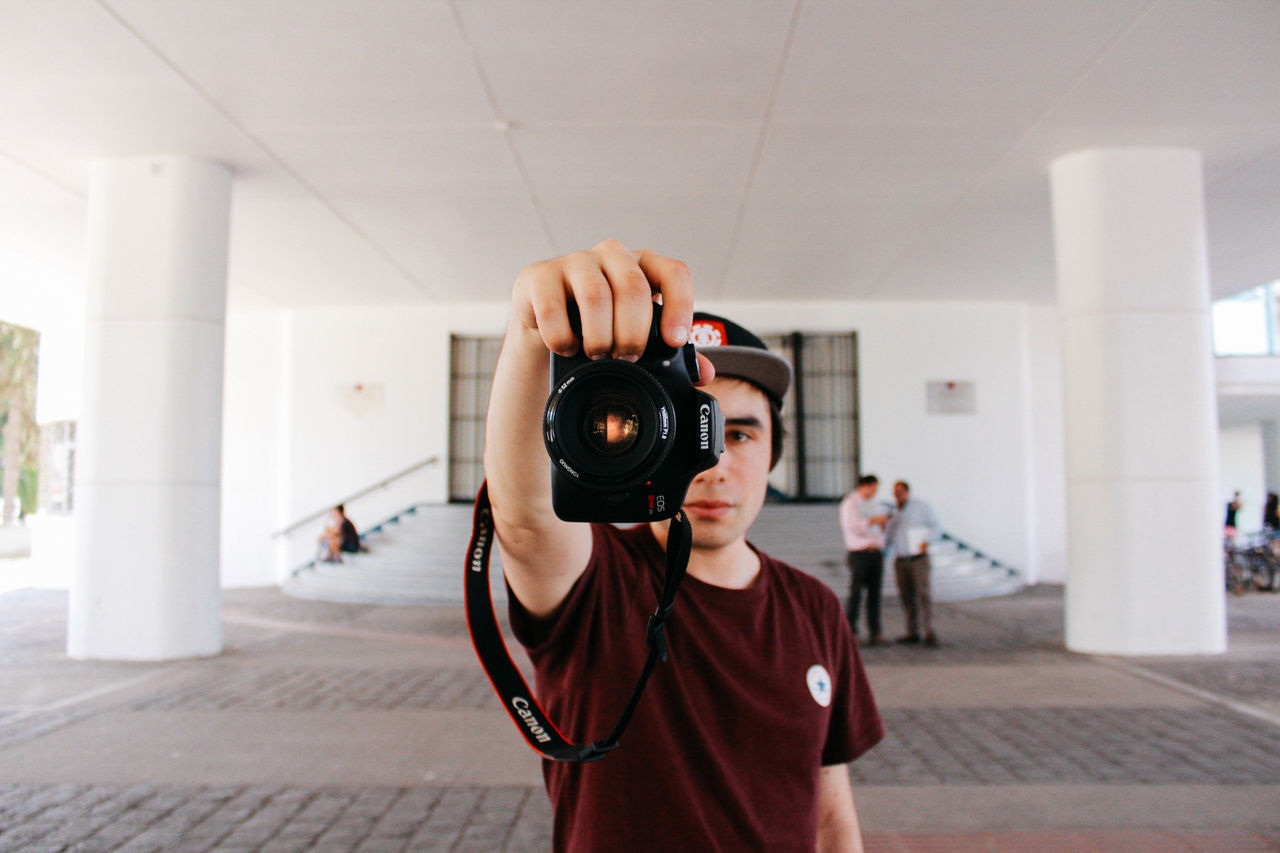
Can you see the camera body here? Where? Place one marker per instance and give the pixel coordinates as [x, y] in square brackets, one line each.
[626, 439]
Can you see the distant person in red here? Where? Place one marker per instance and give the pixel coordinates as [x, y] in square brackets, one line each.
[1233, 509]
[339, 537]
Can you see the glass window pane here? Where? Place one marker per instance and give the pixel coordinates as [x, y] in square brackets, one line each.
[471, 377]
[1242, 324]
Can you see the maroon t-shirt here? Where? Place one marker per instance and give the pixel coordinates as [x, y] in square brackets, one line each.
[764, 686]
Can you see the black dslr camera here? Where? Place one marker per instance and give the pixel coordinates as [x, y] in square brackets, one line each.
[625, 439]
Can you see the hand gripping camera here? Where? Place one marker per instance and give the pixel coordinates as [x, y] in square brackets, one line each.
[626, 439]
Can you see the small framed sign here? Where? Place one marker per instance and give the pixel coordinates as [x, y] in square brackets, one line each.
[951, 397]
[361, 399]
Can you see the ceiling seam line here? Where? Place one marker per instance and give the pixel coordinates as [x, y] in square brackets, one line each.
[765, 122]
[1265, 155]
[271, 155]
[969, 190]
[507, 132]
[24, 165]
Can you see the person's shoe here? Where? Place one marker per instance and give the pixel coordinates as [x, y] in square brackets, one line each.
[931, 640]
[908, 639]
[877, 640]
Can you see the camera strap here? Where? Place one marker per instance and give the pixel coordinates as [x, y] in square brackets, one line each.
[505, 676]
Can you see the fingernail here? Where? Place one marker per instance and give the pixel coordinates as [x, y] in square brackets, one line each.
[680, 334]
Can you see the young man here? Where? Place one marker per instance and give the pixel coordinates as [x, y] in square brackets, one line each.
[864, 541]
[740, 741]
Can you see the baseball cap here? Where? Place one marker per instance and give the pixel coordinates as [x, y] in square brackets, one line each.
[734, 351]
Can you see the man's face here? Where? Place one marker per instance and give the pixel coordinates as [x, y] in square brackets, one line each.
[868, 491]
[900, 494]
[724, 501]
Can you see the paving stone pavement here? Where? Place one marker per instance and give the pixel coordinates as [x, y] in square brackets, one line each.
[273, 820]
[295, 688]
[369, 728]
[1003, 746]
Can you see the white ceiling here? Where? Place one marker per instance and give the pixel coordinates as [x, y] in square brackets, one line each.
[396, 150]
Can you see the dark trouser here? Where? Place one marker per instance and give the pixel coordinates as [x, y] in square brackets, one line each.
[916, 592]
[866, 570]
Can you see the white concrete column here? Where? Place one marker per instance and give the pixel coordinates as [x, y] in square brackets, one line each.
[149, 437]
[1144, 527]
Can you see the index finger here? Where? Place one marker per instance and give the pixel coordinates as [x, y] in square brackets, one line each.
[706, 370]
[673, 280]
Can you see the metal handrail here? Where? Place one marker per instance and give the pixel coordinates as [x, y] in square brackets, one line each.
[980, 555]
[381, 484]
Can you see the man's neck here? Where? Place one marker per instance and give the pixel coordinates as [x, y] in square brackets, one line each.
[732, 566]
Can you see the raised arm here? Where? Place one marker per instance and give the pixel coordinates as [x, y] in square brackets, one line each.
[614, 289]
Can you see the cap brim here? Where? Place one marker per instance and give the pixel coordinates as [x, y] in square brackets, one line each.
[771, 372]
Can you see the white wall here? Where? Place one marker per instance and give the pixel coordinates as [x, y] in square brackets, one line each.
[253, 437]
[1240, 465]
[976, 470]
[297, 437]
[1047, 507]
[341, 440]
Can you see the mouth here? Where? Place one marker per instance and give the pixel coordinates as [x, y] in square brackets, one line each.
[707, 509]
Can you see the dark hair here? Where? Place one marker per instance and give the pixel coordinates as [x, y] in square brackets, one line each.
[340, 508]
[868, 480]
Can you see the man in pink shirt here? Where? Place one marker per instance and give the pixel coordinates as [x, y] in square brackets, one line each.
[864, 539]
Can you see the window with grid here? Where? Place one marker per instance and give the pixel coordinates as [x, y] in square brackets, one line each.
[471, 364]
[821, 456]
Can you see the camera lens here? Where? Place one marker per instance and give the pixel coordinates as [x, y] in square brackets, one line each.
[609, 425]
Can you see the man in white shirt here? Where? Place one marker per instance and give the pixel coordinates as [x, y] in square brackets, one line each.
[911, 527]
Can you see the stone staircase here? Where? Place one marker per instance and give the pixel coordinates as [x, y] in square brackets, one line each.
[417, 557]
[808, 537]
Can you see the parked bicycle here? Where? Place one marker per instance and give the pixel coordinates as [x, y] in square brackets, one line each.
[1252, 563]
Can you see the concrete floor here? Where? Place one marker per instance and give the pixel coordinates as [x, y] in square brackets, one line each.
[361, 727]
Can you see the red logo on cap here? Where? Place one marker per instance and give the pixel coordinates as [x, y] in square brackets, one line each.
[708, 333]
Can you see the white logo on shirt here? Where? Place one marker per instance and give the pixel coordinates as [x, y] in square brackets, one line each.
[819, 681]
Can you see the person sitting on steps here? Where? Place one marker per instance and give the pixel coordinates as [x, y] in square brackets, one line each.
[339, 537]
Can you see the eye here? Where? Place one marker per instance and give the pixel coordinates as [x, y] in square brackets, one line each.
[737, 435]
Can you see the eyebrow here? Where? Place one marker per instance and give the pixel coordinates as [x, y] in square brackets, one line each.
[749, 421]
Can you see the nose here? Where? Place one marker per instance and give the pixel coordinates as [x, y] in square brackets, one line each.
[714, 474]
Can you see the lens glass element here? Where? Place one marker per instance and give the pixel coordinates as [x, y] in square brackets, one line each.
[608, 425]
[611, 426]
